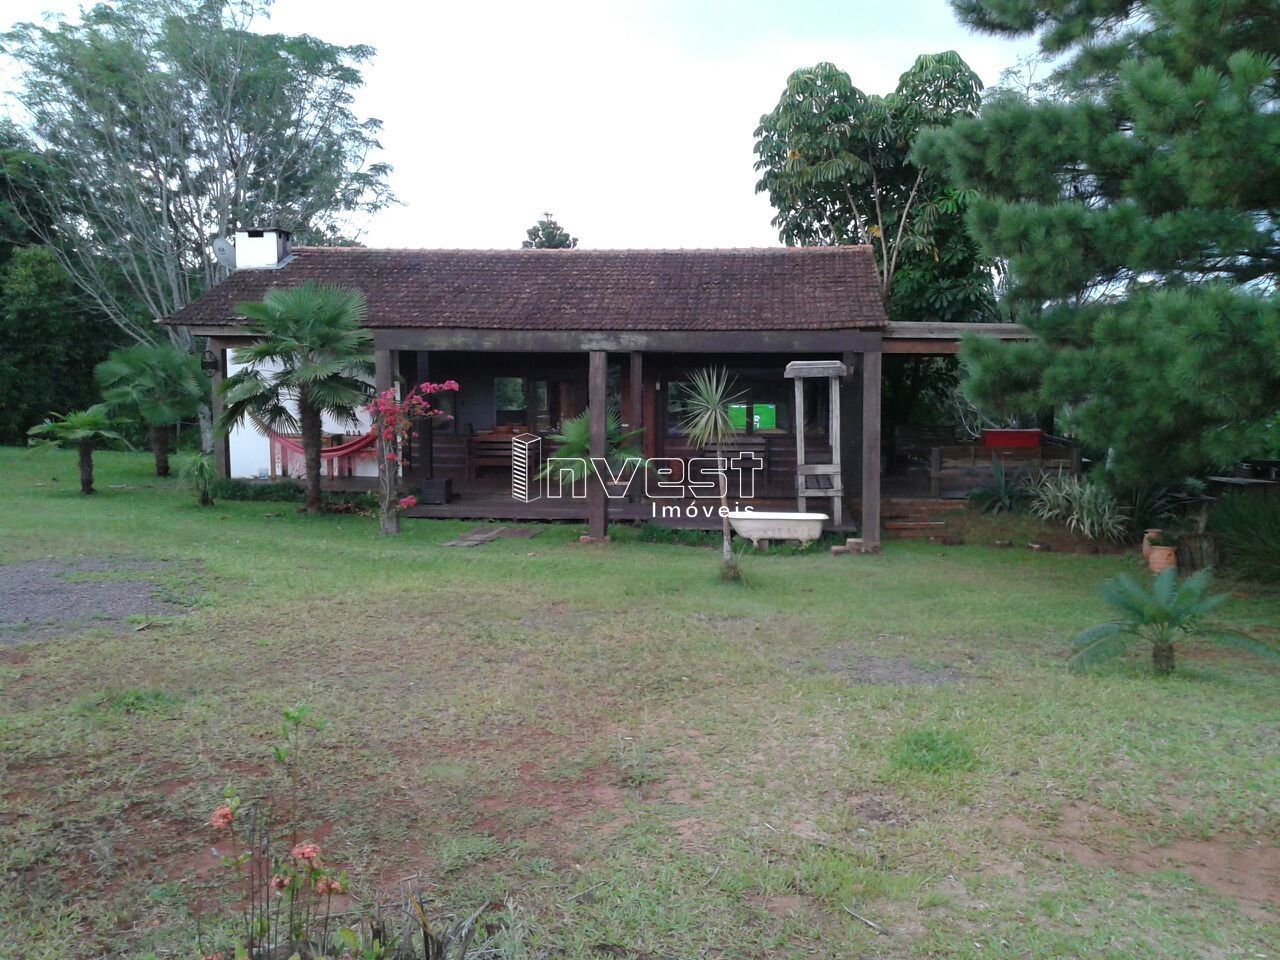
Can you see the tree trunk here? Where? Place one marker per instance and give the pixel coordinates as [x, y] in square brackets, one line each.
[388, 488]
[160, 449]
[310, 421]
[205, 418]
[86, 466]
[726, 546]
[1162, 656]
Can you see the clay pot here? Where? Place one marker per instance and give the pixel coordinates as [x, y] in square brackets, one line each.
[1146, 542]
[1162, 558]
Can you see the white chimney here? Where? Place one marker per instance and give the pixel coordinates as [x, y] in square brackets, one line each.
[261, 249]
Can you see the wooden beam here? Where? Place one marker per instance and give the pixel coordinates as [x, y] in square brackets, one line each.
[625, 341]
[424, 446]
[923, 347]
[850, 386]
[871, 447]
[929, 330]
[384, 369]
[597, 404]
[635, 408]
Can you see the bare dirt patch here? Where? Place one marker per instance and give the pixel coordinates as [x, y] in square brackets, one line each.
[1242, 868]
[857, 667]
[45, 597]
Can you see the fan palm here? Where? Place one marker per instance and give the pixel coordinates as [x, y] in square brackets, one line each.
[157, 385]
[1169, 611]
[704, 402]
[573, 444]
[82, 429]
[311, 355]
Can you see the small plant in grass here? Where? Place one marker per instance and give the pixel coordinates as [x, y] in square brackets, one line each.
[1167, 612]
[1085, 507]
[196, 471]
[704, 402]
[395, 421]
[931, 751]
[85, 430]
[293, 903]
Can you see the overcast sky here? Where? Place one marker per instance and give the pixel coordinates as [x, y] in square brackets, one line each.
[632, 122]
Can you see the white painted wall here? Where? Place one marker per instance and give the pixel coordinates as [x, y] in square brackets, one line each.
[250, 451]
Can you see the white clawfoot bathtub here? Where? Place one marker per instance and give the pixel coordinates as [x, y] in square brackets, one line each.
[760, 527]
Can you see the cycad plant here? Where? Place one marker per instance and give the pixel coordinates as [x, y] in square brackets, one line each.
[85, 430]
[704, 402]
[1168, 611]
[311, 357]
[155, 384]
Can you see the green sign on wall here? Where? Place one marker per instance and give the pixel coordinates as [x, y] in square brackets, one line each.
[766, 416]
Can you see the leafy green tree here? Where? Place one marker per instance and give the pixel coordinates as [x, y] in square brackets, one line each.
[546, 234]
[85, 430]
[167, 123]
[836, 163]
[311, 357]
[156, 385]
[1162, 615]
[1135, 197]
[50, 340]
[704, 402]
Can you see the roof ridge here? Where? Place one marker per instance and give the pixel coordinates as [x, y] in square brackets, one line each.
[828, 248]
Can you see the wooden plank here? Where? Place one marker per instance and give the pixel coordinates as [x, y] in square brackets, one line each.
[635, 411]
[833, 431]
[798, 416]
[871, 367]
[850, 387]
[597, 401]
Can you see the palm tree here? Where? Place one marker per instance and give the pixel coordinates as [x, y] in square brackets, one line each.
[704, 407]
[1167, 612]
[573, 444]
[84, 430]
[311, 355]
[157, 385]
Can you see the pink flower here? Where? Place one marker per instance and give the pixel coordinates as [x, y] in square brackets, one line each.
[310, 852]
[407, 502]
[221, 817]
[328, 885]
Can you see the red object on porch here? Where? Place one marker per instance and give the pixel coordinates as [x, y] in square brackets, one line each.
[1012, 438]
[283, 449]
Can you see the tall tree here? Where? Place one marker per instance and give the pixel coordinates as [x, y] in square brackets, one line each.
[156, 385]
[167, 123]
[1138, 207]
[546, 234]
[312, 356]
[836, 163]
[50, 340]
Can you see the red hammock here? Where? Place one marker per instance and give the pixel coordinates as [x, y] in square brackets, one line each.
[327, 453]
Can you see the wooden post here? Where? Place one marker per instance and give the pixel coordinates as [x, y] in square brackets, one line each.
[798, 418]
[384, 370]
[635, 386]
[850, 386]
[221, 445]
[423, 447]
[871, 446]
[834, 435]
[597, 404]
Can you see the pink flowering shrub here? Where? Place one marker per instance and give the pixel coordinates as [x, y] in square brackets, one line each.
[394, 420]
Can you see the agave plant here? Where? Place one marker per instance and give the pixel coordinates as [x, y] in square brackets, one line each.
[85, 430]
[1162, 615]
[704, 402]
[1003, 493]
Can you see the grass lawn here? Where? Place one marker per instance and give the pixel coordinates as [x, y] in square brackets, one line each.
[649, 763]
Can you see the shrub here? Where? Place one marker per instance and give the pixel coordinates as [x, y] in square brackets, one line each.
[1084, 507]
[931, 751]
[196, 471]
[288, 491]
[1248, 530]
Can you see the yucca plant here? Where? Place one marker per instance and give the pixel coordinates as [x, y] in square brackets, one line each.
[311, 357]
[1168, 611]
[155, 384]
[704, 401]
[83, 429]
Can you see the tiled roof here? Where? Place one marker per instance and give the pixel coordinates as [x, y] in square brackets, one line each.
[780, 288]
